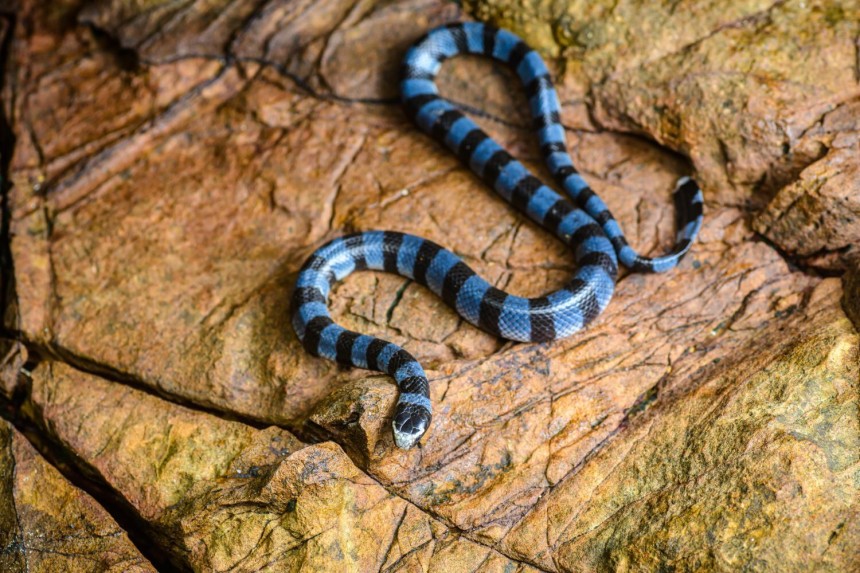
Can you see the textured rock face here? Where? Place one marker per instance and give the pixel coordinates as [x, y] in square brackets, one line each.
[224, 496]
[818, 216]
[173, 165]
[50, 525]
[744, 88]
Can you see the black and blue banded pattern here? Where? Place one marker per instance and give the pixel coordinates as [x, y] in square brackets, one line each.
[580, 220]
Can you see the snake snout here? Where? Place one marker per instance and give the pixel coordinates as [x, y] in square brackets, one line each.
[410, 422]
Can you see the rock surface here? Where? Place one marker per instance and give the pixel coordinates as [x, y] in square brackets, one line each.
[174, 164]
[224, 496]
[50, 525]
[817, 217]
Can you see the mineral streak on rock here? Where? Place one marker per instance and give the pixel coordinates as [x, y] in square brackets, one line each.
[174, 163]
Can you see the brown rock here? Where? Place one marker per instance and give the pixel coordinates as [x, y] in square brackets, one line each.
[333, 46]
[708, 420]
[740, 88]
[47, 524]
[818, 216]
[222, 495]
[724, 465]
[14, 356]
[779, 374]
[851, 295]
[11, 556]
[755, 466]
[711, 82]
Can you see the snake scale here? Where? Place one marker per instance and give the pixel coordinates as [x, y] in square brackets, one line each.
[582, 221]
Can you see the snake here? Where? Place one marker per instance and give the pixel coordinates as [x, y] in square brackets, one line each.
[581, 220]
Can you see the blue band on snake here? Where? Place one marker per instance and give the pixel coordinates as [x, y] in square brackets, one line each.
[581, 220]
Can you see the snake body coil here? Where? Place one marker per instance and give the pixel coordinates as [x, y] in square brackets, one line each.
[583, 222]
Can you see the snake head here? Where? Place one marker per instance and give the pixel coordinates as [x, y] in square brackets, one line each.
[410, 423]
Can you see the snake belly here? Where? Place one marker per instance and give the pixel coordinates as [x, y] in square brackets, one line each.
[581, 220]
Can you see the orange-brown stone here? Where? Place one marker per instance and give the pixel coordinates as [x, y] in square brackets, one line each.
[175, 163]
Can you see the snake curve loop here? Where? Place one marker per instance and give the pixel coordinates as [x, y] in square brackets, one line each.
[581, 220]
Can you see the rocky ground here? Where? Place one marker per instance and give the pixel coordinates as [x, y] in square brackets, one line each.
[169, 165]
